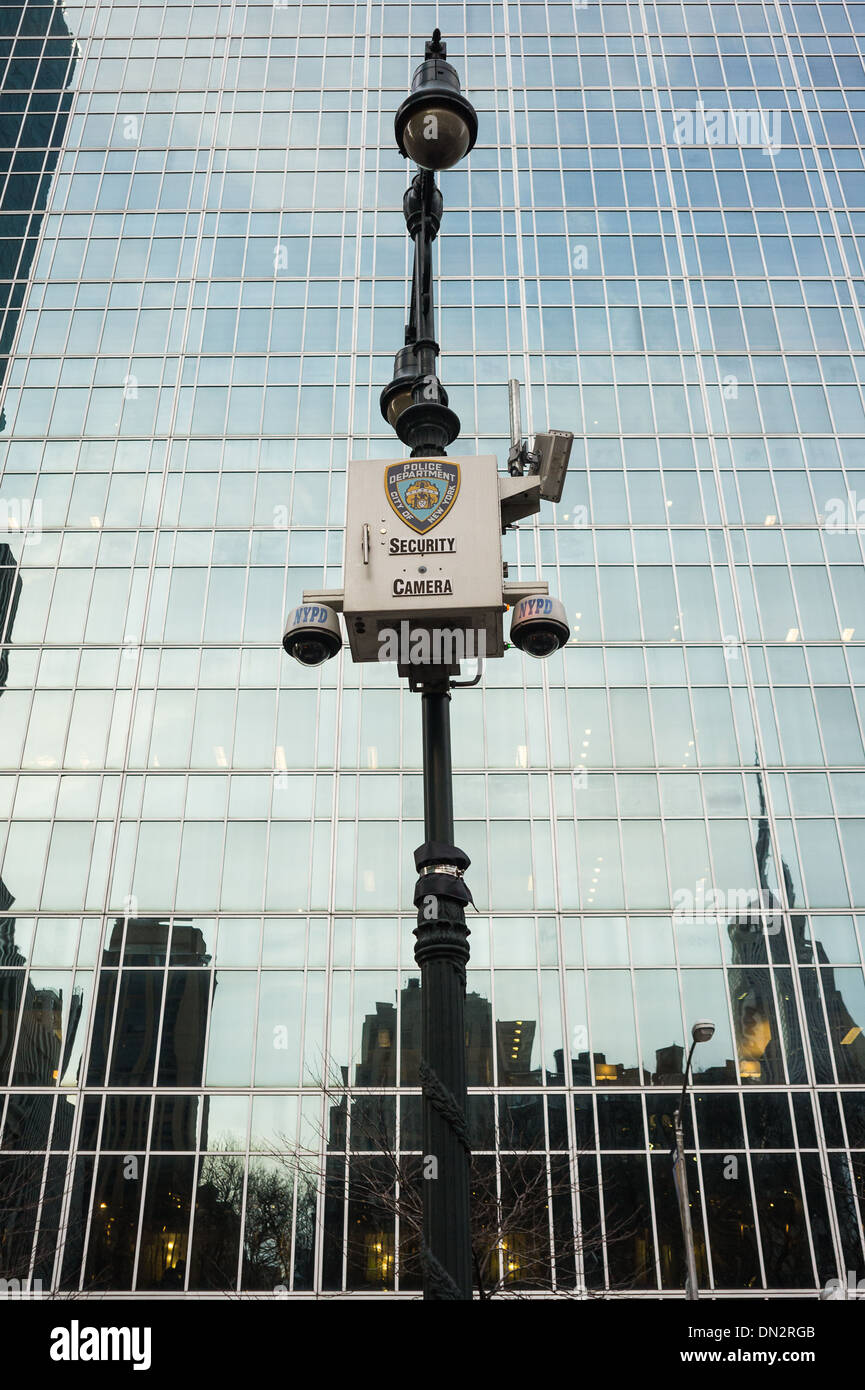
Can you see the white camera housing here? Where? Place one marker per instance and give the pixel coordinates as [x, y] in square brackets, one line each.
[539, 626]
[312, 634]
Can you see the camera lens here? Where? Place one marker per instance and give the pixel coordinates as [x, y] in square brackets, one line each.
[312, 634]
[311, 651]
[540, 643]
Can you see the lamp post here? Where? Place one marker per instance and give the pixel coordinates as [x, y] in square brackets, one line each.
[423, 555]
[435, 126]
[702, 1031]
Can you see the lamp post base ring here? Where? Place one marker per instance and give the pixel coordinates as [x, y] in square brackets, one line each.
[428, 427]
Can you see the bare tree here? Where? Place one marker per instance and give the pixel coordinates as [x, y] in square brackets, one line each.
[31, 1226]
[523, 1236]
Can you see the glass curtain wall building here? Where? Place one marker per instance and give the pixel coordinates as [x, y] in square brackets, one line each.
[209, 1026]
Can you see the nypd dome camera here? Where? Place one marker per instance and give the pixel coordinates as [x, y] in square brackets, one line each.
[539, 626]
[312, 634]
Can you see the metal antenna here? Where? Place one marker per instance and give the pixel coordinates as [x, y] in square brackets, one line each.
[514, 397]
[516, 461]
[520, 457]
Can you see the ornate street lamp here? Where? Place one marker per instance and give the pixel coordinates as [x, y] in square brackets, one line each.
[444, 589]
[435, 126]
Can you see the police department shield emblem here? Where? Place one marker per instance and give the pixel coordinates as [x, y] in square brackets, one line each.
[422, 491]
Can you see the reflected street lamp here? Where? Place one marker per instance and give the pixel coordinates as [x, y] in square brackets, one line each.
[702, 1031]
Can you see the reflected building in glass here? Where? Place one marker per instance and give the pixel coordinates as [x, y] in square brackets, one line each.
[209, 1007]
[38, 62]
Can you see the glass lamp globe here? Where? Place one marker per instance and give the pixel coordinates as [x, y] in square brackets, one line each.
[436, 137]
[436, 124]
[397, 403]
[397, 395]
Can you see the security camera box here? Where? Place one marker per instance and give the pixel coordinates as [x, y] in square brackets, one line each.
[423, 544]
